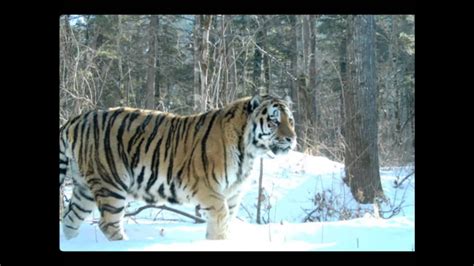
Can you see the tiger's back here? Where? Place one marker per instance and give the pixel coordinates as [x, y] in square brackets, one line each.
[157, 157]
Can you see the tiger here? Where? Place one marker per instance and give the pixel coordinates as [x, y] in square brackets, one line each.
[121, 154]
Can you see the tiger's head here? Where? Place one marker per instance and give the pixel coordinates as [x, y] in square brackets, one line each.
[272, 128]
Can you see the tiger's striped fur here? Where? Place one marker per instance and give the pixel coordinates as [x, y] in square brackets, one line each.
[159, 157]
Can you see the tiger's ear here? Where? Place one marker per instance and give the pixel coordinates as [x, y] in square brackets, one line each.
[254, 103]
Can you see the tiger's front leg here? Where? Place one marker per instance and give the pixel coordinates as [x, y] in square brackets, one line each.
[217, 212]
[218, 222]
[234, 204]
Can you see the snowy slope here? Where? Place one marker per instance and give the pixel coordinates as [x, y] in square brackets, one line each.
[362, 234]
[291, 184]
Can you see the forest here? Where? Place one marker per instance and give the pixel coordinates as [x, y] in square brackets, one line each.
[351, 78]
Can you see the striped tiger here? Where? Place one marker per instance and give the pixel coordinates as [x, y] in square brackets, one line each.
[123, 153]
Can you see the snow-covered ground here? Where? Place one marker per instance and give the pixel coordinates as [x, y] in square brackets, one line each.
[306, 206]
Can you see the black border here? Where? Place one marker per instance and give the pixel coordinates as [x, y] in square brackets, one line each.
[238, 7]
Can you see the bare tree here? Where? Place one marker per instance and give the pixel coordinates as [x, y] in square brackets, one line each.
[260, 192]
[201, 61]
[361, 154]
[258, 57]
[314, 80]
[151, 62]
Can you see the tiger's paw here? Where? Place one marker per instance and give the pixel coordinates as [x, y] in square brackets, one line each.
[220, 236]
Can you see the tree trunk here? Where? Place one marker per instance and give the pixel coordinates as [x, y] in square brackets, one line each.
[157, 64]
[61, 202]
[293, 82]
[260, 191]
[121, 83]
[234, 78]
[299, 84]
[305, 88]
[257, 62]
[206, 21]
[197, 76]
[306, 43]
[344, 77]
[361, 154]
[202, 28]
[266, 63]
[151, 62]
[313, 80]
[225, 79]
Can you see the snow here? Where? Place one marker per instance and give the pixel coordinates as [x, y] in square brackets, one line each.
[291, 185]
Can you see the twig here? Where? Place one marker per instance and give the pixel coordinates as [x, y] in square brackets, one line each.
[274, 59]
[163, 207]
[308, 217]
[398, 184]
[246, 210]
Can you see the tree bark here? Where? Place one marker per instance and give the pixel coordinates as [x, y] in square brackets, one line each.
[157, 64]
[61, 202]
[266, 64]
[121, 84]
[257, 60]
[361, 154]
[202, 28]
[299, 85]
[197, 76]
[313, 80]
[260, 191]
[225, 79]
[206, 21]
[294, 82]
[151, 62]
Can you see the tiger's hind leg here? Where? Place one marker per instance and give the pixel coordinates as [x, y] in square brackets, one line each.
[80, 206]
[112, 210]
[111, 224]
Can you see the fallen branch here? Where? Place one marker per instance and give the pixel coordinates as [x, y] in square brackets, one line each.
[163, 207]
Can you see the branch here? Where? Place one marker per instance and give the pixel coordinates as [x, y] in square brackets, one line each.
[246, 210]
[274, 59]
[395, 211]
[308, 217]
[398, 184]
[163, 207]
[327, 59]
